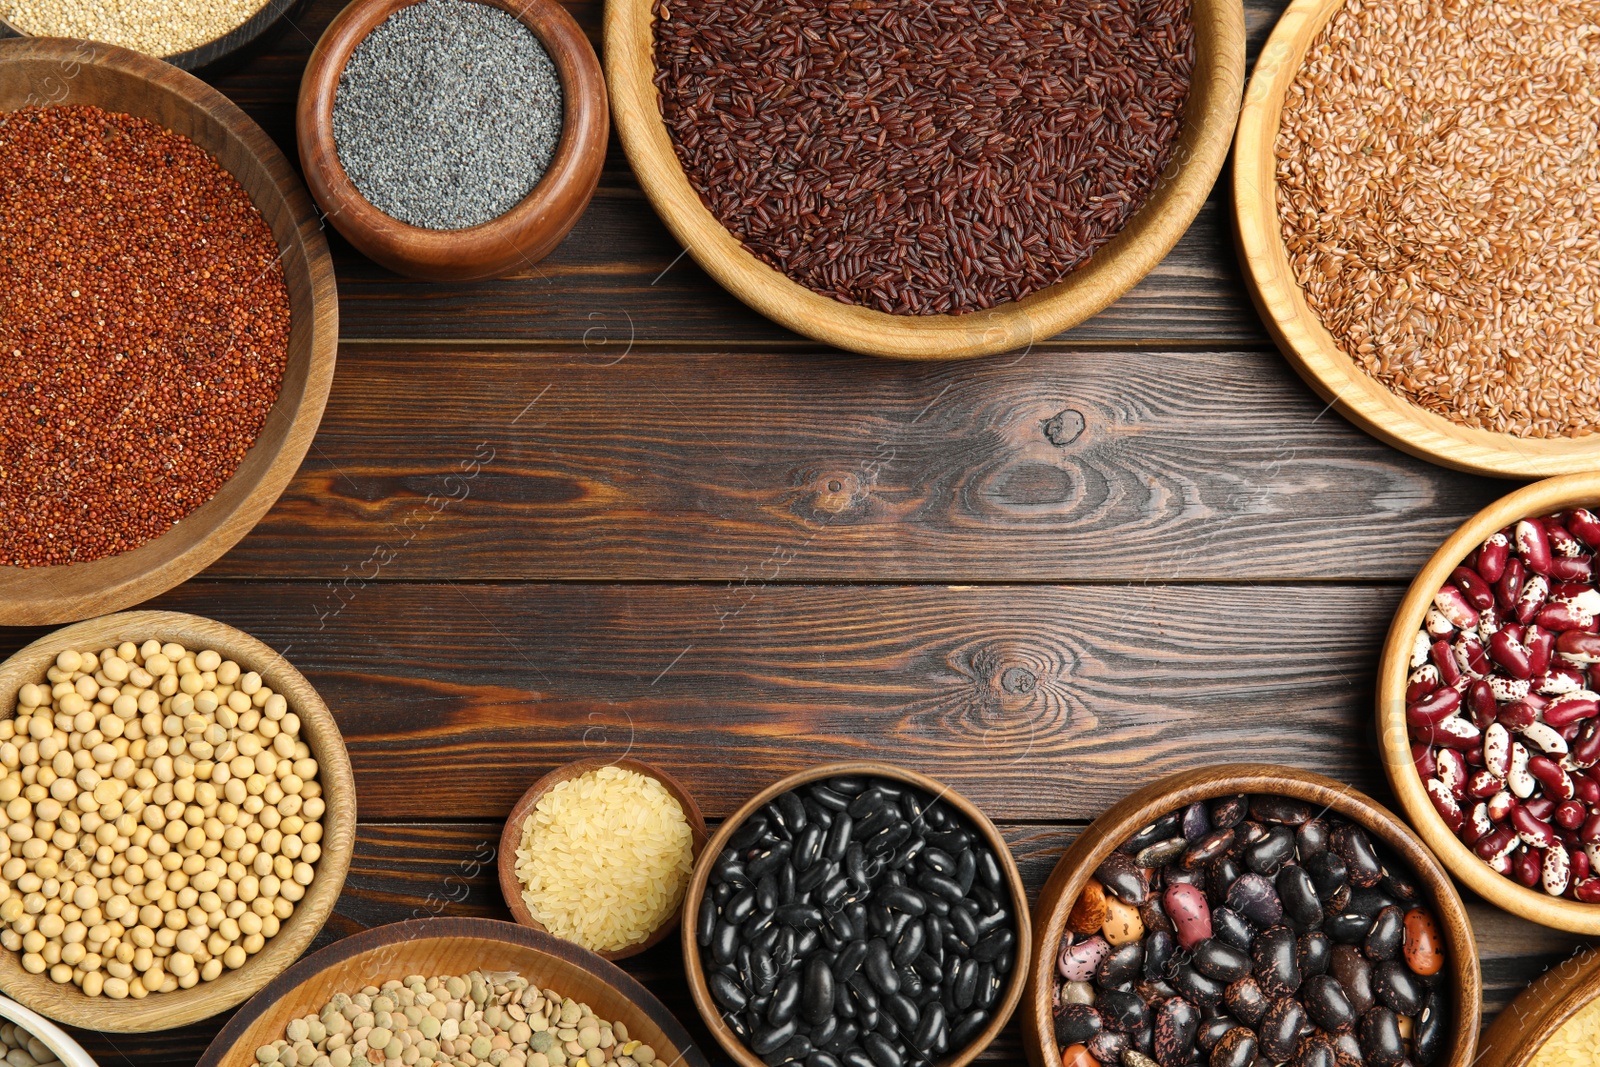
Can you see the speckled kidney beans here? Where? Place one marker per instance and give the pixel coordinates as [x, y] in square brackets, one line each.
[1501, 703]
[1245, 931]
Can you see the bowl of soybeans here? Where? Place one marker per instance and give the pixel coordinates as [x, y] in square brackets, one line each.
[179, 813]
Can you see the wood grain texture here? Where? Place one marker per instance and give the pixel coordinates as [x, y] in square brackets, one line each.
[46, 70]
[67, 1003]
[517, 239]
[1540, 498]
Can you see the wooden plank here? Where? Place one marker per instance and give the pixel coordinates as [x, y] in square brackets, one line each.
[1041, 703]
[615, 265]
[1114, 466]
[420, 870]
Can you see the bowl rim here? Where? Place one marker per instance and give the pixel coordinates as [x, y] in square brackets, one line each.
[162, 1011]
[1540, 498]
[511, 839]
[871, 768]
[519, 236]
[1523, 1026]
[448, 927]
[163, 562]
[207, 52]
[1150, 802]
[1115, 267]
[1299, 333]
[56, 1039]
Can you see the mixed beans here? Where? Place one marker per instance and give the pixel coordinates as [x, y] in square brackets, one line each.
[857, 922]
[1502, 700]
[1250, 930]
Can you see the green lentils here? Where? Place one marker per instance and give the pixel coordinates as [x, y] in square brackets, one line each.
[498, 1018]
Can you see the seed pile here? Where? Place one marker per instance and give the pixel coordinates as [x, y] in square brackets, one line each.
[1250, 930]
[1574, 1044]
[605, 858]
[937, 157]
[465, 1020]
[1437, 187]
[1503, 703]
[21, 1049]
[155, 27]
[161, 819]
[144, 327]
[447, 114]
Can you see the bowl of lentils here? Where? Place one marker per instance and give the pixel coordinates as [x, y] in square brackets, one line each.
[856, 914]
[1245, 914]
[453, 139]
[1489, 703]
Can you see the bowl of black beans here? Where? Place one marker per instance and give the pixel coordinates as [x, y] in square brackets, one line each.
[856, 915]
[1251, 914]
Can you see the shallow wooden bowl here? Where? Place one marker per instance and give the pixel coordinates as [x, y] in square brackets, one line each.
[162, 1011]
[57, 1040]
[511, 838]
[1538, 1012]
[1540, 498]
[450, 946]
[1307, 345]
[702, 874]
[200, 56]
[1139, 809]
[1113, 270]
[514, 241]
[52, 71]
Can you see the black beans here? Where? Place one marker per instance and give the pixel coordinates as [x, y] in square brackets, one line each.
[1314, 954]
[1354, 973]
[1277, 962]
[1299, 897]
[1230, 927]
[1173, 1031]
[1255, 898]
[1237, 1048]
[1381, 1043]
[1280, 1029]
[1076, 1023]
[1122, 877]
[1218, 960]
[1387, 935]
[1327, 1004]
[1396, 988]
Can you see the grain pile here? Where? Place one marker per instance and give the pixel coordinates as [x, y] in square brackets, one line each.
[154, 27]
[1439, 187]
[1576, 1043]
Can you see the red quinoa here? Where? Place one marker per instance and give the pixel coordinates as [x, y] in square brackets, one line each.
[924, 157]
[144, 327]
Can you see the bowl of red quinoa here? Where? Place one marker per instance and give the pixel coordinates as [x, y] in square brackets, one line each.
[168, 322]
[1413, 193]
[929, 181]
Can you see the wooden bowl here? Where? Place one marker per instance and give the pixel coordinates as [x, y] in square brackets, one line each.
[79, 72]
[1540, 498]
[57, 1040]
[1518, 1032]
[162, 1011]
[702, 872]
[1305, 342]
[1177, 791]
[514, 241]
[511, 838]
[450, 946]
[1114, 269]
[200, 56]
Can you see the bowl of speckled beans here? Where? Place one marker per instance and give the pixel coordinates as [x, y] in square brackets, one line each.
[453, 139]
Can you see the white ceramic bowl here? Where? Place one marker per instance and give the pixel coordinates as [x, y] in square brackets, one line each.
[68, 1051]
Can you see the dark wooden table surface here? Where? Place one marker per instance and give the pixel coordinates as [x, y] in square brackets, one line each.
[1045, 577]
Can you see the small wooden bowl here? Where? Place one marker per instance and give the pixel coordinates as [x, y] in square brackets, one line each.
[1202, 147]
[57, 1040]
[1138, 810]
[1305, 342]
[201, 56]
[450, 946]
[870, 768]
[162, 1011]
[1518, 1032]
[511, 838]
[50, 70]
[1540, 498]
[514, 241]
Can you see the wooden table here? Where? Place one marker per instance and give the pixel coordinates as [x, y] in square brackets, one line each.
[1044, 578]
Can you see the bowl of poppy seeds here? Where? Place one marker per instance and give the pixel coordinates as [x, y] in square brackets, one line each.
[168, 324]
[453, 139]
[926, 181]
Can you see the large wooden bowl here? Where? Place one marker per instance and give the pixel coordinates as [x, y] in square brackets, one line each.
[162, 1011]
[1514, 1039]
[52, 71]
[979, 821]
[511, 840]
[1202, 147]
[1540, 498]
[1141, 808]
[203, 55]
[1305, 342]
[517, 239]
[450, 946]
